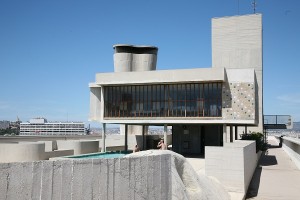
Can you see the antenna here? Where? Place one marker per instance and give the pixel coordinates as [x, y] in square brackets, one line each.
[254, 4]
[238, 4]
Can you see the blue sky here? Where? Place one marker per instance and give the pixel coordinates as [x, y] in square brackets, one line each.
[51, 50]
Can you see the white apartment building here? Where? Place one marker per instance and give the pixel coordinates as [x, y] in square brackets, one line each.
[40, 126]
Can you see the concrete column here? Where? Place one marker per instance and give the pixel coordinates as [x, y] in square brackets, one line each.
[165, 134]
[103, 148]
[224, 133]
[143, 138]
[126, 137]
[236, 132]
[246, 129]
[231, 133]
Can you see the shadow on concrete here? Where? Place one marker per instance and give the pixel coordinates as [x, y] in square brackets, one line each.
[273, 146]
[268, 160]
[193, 156]
[254, 184]
[265, 160]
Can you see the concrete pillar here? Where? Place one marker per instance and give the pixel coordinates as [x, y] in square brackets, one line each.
[165, 134]
[246, 129]
[143, 138]
[236, 132]
[103, 148]
[231, 133]
[224, 133]
[126, 137]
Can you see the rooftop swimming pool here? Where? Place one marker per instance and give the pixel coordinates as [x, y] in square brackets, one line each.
[100, 155]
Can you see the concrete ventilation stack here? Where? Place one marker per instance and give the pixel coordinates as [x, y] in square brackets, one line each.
[128, 58]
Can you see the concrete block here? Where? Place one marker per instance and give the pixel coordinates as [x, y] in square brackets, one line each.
[166, 183]
[87, 178]
[143, 186]
[110, 180]
[104, 179]
[139, 188]
[57, 179]
[150, 174]
[124, 178]
[15, 181]
[47, 176]
[77, 180]
[132, 177]
[117, 180]
[37, 171]
[27, 180]
[233, 164]
[4, 179]
[67, 179]
[156, 188]
[96, 180]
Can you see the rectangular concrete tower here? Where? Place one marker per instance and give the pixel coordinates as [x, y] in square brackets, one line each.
[237, 44]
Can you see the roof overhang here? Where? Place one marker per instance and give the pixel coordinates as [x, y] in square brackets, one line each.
[160, 76]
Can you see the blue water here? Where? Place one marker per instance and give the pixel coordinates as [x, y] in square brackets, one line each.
[99, 155]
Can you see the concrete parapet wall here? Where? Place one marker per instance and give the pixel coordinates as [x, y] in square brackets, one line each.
[124, 178]
[20, 152]
[79, 147]
[233, 164]
[292, 147]
[58, 153]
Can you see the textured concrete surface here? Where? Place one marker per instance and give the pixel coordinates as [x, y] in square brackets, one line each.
[186, 183]
[153, 174]
[126, 178]
[233, 164]
[276, 177]
[27, 151]
[292, 147]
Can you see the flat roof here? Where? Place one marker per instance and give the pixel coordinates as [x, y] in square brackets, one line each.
[160, 76]
[135, 46]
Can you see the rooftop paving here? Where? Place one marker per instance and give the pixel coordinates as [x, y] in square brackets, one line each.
[276, 176]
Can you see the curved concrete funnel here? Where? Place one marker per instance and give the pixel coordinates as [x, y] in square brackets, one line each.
[134, 58]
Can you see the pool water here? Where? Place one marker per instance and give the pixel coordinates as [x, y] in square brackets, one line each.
[100, 155]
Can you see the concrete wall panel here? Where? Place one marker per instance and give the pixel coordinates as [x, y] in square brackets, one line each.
[87, 179]
[104, 179]
[124, 177]
[141, 177]
[67, 171]
[233, 164]
[4, 179]
[22, 152]
[57, 180]
[96, 181]
[37, 171]
[47, 178]
[292, 147]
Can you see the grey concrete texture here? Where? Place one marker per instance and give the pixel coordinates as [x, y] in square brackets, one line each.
[185, 182]
[124, 178]
[292, 147]
[153, 174]
[276, 176]
[233, 164]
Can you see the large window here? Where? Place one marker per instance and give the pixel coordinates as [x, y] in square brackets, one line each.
[163, 100]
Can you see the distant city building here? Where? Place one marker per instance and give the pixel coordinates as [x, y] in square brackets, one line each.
[4, 124]
[40, 126]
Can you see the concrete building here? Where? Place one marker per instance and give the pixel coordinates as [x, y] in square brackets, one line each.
[40, 126]
[204, 106]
